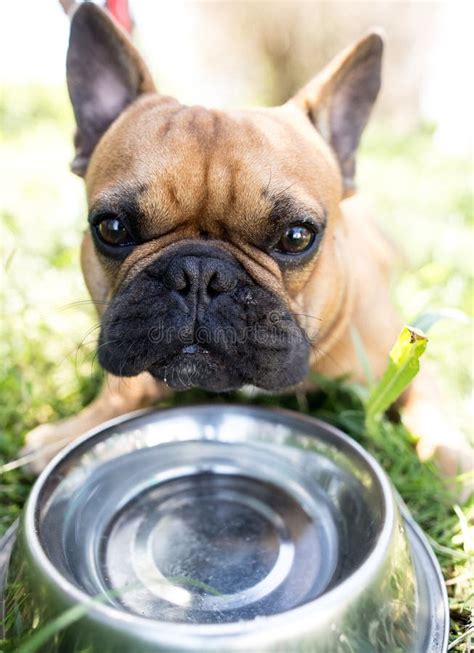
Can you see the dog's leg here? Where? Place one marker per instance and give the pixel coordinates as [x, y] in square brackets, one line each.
[118, 396]
[422, 409]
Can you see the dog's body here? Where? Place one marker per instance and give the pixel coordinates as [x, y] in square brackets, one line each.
[224, 247]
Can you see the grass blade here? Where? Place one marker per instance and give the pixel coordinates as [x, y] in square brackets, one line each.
[39, 638]
[425, 321]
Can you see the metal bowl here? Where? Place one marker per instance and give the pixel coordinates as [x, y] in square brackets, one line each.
[223, 528]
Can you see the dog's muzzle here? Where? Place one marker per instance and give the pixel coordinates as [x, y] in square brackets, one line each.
[195, 317]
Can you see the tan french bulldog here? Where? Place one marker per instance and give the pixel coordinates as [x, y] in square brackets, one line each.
[222, 248]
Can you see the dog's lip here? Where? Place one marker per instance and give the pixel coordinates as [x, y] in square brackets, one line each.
[194, 349]
[186, 352]
[194, 367]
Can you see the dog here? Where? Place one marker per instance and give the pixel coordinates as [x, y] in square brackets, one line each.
[228, 248]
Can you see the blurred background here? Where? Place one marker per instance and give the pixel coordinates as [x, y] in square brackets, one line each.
[415, 166]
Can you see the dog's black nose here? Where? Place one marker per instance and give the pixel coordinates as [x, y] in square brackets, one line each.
[196, 275]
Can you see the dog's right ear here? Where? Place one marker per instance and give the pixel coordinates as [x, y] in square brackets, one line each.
[105, 74]
[339, 100]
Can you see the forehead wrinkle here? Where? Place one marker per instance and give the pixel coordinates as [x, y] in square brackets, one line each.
[180, 187]
[215, 183]
[160, 209]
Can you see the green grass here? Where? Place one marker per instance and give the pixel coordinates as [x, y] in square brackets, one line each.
[420, 196]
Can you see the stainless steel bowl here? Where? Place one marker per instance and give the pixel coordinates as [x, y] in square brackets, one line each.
[223, 528]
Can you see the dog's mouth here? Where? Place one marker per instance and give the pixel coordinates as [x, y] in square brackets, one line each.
[194, 350]
[193, 366]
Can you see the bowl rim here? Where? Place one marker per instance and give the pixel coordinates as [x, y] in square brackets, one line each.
[163, 632]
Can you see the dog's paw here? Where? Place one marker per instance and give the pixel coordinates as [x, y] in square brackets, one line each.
[455, 458]
[44, 442]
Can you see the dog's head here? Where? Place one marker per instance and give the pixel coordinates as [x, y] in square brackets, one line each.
[212, 252]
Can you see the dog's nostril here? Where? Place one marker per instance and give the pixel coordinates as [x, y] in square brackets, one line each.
[213, 286]
[181, 282]
[221, 280]
[182, 274]
[193, 275]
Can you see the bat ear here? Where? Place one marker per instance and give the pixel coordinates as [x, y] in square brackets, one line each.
[339, 100]
[105, 74]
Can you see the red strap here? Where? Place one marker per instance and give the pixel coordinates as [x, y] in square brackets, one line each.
[120, 11]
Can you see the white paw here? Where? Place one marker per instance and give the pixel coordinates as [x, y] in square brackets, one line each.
[43, 443]
[455, 459]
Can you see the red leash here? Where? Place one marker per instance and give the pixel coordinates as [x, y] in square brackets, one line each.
[121, 12]
[118, 8]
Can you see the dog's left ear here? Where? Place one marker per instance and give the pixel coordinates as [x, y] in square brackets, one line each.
[105, 74]
[339, 100]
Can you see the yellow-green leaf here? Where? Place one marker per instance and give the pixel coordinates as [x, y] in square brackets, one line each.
[403, 366]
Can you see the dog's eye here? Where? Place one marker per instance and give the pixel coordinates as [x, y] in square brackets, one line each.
[112, 231]
[298, 238]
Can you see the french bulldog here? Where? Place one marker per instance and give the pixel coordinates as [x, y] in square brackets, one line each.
[227, 248]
